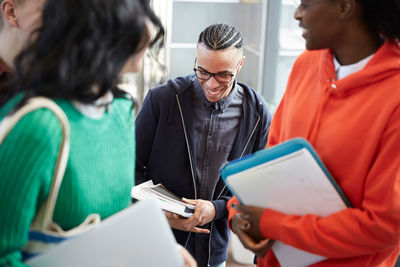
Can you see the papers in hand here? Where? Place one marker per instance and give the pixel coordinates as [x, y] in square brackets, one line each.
[291, 179]
[166, 199]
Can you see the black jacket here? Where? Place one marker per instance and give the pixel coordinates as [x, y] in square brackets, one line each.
[166, 154]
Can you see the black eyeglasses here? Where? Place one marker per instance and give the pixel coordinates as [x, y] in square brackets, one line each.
[222, 77]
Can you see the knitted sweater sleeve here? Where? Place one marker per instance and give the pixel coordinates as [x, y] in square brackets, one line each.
[28, 156]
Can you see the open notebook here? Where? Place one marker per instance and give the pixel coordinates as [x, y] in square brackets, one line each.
[289, 178]
[137, 236]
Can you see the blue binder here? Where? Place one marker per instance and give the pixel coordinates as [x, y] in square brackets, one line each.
[290, 178]
[264, 156]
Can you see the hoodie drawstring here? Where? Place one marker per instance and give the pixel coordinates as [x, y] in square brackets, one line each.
[316, 121]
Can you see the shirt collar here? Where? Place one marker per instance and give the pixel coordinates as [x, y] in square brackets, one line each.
[344, 71]
[222, 104]
[96, 109]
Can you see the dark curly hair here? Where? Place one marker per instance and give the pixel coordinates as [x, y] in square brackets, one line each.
[220, 36]
[382, 17]
[81, 44]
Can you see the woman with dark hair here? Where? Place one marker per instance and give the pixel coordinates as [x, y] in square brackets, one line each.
[343, 96]
[76, 57]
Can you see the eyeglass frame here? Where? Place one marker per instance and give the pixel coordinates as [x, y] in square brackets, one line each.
[214, 74]
[301, 6]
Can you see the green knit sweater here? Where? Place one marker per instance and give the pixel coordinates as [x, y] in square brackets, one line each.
[98, 178]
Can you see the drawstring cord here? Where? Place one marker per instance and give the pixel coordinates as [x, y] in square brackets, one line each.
[316, 122]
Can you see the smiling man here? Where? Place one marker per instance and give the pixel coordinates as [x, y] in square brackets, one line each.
[189, 127]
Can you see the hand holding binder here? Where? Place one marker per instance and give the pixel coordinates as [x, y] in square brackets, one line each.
[289, 178]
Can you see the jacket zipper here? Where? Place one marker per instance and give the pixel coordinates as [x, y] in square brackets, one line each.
[190, 157]
[241, 155]
[191, 169]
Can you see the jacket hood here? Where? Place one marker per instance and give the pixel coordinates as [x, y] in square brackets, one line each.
[181, 83]
[385, 63]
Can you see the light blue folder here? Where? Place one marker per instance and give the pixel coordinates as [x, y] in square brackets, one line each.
[289, 178]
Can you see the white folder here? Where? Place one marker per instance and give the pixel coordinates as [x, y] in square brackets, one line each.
[289, 178]
[137, 236]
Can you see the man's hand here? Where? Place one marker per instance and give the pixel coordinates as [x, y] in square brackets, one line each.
[203, 214]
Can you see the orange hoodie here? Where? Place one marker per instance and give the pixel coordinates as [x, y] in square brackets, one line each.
[354, 125]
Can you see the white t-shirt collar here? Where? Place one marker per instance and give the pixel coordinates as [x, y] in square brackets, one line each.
[344, 71]
[96, 109]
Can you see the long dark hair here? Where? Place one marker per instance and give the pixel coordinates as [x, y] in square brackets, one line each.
[81, 44]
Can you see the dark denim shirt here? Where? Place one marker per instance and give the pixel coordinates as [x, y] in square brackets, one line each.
[216, 127]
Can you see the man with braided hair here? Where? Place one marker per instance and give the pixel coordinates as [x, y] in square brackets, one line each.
[18, 19]
[189, 127]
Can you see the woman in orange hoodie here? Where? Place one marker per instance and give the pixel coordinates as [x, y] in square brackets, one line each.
[343, 96]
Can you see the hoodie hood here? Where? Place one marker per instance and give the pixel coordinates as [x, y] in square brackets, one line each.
[180, 84]
[385, 63]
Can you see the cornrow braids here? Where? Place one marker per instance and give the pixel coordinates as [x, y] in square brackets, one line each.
[221, 36]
